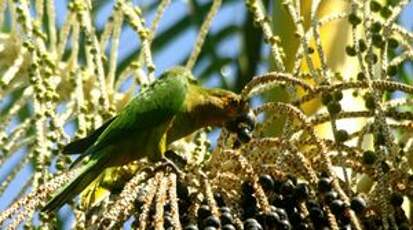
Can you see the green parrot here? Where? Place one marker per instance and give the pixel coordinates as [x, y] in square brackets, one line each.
[171, 108]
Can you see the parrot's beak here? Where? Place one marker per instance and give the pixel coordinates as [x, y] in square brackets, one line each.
[242, 125]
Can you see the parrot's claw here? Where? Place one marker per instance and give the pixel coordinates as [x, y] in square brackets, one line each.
[168, 163]
[177, 159]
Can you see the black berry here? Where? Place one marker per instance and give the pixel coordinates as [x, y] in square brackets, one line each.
[219, 199]
[358, 205]
[228, 227]
[203, 212]
[324, 184]
[330, 196]
[369, 157]
[252, 224]
[212, 221]
[337, 207]
[247, 188]
[266, 182]
[226, 218]
[301, 192]
[396, 199]
[287, 187]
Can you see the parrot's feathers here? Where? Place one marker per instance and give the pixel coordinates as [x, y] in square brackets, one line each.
[93, 194]
[79, 159]
[81, 145]
[77, 185]
[154, 106]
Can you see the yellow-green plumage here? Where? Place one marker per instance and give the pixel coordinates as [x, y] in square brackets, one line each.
[173, 107]
[111, 180]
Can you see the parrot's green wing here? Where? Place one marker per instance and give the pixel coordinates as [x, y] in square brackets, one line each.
[152, 107]
[81, 145]
[158, 104]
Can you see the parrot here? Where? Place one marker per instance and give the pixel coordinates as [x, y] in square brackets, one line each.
[170, 108]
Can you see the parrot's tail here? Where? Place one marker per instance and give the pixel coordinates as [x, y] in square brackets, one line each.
[89, 172]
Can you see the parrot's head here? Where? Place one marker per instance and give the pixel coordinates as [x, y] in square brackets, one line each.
[218, 107]
[229, 105]
[237, 116]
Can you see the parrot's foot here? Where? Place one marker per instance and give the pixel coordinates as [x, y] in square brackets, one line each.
[169, 164]
[175, 158]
